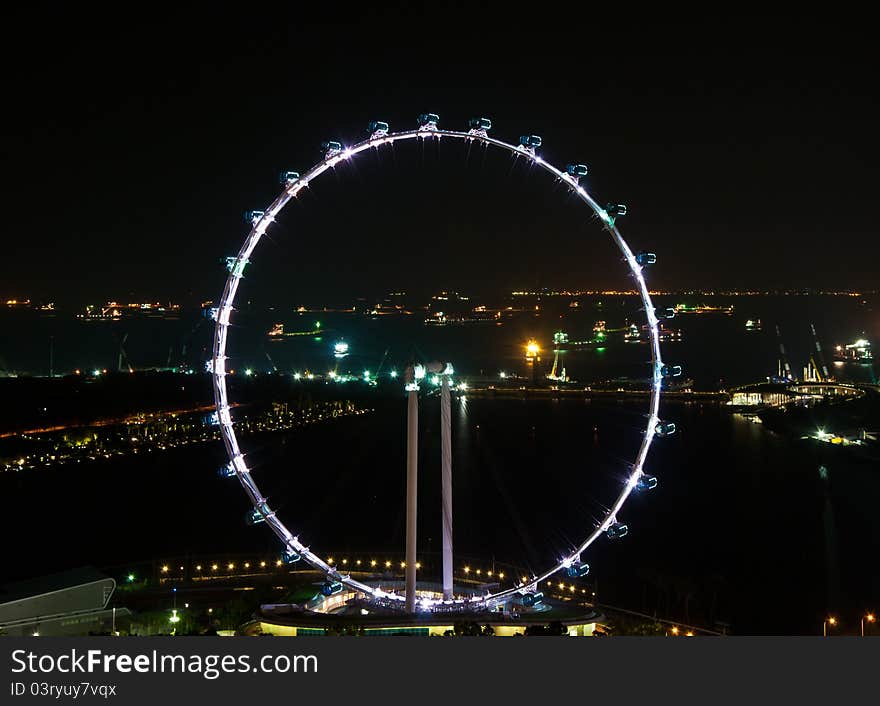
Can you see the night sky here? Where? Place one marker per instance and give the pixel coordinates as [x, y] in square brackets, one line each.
[747, 153]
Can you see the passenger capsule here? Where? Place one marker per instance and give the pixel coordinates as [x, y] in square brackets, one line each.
[480, 124]
[670, 371]
[254, 517]
[331, 147]
[615, 209]
[226, 471]
[664, 428]
[252, 217]
[644, 258]
[287, 178]
[428, 120]
[532, 599]
[530, 141]
[258, 514]
[578, 570]
[666, 312]
[616, 530]
[290, 557]
[576, 170]
[328, 588]
[378, 127]
[646, 482]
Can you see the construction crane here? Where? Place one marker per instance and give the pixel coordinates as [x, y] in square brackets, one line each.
[122, 355]
[783, 358]
[559, 338]
[825, 376]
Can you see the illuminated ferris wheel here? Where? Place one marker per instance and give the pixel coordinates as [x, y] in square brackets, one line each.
[637, 479]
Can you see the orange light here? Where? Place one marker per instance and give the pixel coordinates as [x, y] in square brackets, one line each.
[832, 620]
[870, 617]
[674, 631]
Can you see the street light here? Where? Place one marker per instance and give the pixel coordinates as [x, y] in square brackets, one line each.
[870, 617]
[830, 620]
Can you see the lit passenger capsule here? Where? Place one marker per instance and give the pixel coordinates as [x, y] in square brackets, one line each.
[288, 178]
[328, 588]
[480, 124]
[644, 258]
[532, 599]
[664, 428]
[290, 557]
[646, 482]
[670, 371]
[428, 120]
[532, 141]
[576, 170]
[578, 570]
[616, 530]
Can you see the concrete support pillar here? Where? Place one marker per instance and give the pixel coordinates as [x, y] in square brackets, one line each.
[446, 482]
[412, 478]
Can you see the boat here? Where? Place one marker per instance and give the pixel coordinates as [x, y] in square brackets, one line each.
[632, 335]
[858, 351]
[668, 335]
[703, 309]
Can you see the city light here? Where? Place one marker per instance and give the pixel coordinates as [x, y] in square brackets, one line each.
[532, 348]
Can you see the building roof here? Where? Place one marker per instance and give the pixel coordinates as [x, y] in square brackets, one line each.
[48, 584]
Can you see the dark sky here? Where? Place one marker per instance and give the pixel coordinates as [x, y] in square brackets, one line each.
[747, 153]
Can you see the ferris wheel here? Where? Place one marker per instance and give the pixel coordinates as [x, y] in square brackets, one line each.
[637, 479]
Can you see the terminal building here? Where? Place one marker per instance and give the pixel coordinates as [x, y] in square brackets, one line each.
[69, 603]
[347, 612]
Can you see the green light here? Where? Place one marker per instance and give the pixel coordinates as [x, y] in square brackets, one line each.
[317, 324]
[600, 350]
[248, 372]
[394, 373]
[175, 618]
[130, 578]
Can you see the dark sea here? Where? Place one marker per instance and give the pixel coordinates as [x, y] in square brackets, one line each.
[743, 529]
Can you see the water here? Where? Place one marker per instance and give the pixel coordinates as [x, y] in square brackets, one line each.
[743, 528]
